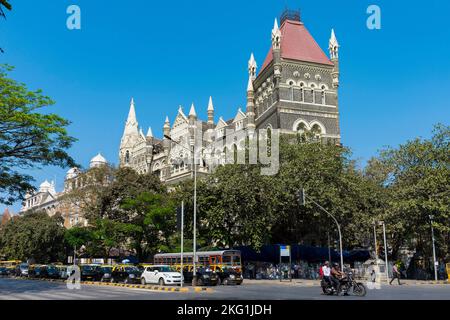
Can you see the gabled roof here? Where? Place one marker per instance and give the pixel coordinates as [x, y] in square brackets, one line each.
[239, 116]
[221, 123]
[180, 119]
[298, 44]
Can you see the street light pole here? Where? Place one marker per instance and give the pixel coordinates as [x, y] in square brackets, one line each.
[434, 249]
[182, 241]
[385, 251]
[375, 238]
[194, 275]
[338, 227]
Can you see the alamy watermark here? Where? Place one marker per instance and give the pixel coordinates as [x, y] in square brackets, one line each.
[228, 146]
[374, 19]
[73, 21]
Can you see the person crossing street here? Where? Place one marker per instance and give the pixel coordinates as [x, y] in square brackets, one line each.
[395, 275]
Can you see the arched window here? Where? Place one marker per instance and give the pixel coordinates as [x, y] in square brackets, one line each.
[291, 90]
[302, 91]
[235, 154]
[127, 156]
[269, 141]
[301, 128]
[313, 93]
[316, 130]
[323, 95]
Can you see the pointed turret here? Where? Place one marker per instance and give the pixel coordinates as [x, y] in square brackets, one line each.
[210, 104]
[252, 66]
[166, 128]
[149, 132]
[333, 46]
[192, 112]
[250, 110]
[334, 55]
[132, 113]
[130, 137]
[276, 35]
[210, 114]
[141, 133]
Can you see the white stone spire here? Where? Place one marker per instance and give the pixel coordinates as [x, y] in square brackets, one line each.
[333, 46]
[252, 66]
[275, 25]
[141, 132]
[192, 111]
[132, 113]
[149, 132]
[276, 35]
[131, 126]
[210, 104]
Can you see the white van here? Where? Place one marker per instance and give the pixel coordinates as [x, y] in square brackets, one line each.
[161, 274]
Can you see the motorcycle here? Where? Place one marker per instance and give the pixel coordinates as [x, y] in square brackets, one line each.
[349, 286]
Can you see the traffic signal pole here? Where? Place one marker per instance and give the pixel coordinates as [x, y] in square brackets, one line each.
[302, 197]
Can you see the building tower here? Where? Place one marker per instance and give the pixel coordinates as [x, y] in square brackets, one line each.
[130, 138]
[166, 146]
[250, 95]
[334, 56]
[296, 87]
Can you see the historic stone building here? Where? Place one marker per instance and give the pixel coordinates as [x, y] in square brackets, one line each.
[296, 90]
[47, 199]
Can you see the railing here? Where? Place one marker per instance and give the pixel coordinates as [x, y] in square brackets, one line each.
[290, 15]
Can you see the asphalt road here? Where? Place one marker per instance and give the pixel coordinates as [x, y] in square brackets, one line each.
[11, 289]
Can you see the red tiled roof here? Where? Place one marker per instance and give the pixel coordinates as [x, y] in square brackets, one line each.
[298, 44]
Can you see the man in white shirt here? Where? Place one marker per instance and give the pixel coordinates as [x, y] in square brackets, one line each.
[326, 271]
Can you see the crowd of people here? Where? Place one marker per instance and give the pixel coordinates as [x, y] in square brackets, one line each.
[270, 271]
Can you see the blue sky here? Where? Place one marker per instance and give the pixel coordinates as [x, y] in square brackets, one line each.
[394, 81]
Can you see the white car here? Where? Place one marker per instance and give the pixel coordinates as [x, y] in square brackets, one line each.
[161, 274]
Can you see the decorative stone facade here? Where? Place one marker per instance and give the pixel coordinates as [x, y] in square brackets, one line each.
[296, 90]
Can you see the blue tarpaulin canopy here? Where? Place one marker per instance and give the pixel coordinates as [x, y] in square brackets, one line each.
[271, 253]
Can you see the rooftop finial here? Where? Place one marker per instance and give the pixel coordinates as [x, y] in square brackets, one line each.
[333, 46]
[192, 111]
[293, 15]
[150, 132]
[210, 104]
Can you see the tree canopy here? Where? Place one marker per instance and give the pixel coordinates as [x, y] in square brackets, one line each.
[29, 138]
[34, 236]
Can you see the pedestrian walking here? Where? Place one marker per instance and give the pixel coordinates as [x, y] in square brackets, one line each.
[395, 274]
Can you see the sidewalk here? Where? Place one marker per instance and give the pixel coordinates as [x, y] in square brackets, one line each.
[294, 282]
[313, 283]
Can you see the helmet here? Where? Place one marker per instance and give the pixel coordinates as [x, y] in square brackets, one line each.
[335, 264]
[326, 262]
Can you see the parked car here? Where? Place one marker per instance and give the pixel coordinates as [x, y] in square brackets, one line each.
[21, 270]
[106, 273]
[63, 271]
[38, 271]
[53, 272]
[90, 272]
[4, 271]
[126, 273]
[205, 275]
[228, 275]
[161, 274]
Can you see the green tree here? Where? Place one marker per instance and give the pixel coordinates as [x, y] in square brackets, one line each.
[331, 179]
[415, 179]
[28, 138]
[34, 236]
[152, 224]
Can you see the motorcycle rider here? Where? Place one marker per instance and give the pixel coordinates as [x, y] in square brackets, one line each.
[336, 277]
[326, 271]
